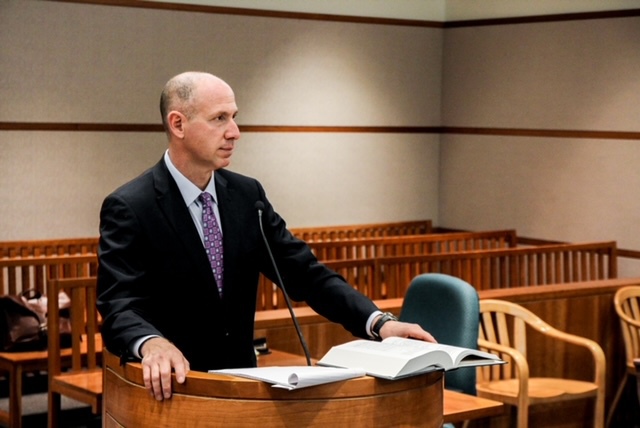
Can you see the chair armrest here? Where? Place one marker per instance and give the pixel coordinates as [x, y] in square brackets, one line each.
[521, 366]
[595, 349]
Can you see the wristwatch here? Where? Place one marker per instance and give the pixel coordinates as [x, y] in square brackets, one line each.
[387, 316]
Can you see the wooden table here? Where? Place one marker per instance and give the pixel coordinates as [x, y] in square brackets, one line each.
[458, 407]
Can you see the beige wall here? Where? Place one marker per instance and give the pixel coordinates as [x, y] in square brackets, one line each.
[80, 63]
[77, 63]
[575, 75]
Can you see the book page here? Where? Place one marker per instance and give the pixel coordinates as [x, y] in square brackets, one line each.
[397, 357]
[459, 356]
[387, 359]
[294, 377]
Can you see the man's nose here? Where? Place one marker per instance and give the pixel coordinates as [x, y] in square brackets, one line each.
[233, 132]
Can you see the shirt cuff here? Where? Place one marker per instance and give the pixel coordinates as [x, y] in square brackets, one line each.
[369, 325]
[137, 344]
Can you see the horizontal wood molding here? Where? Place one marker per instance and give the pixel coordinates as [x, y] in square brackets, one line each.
[260, 12]
[514, 132]
[547, 133]
[360, 19]
[141, 127]
[544, 18]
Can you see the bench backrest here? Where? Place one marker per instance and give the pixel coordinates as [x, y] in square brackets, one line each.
[358, 231]
[412, 245]
[21, 274]
[48, 247]
[388, 277]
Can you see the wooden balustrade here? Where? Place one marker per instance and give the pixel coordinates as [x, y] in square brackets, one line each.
[48, 247]
[503, 268]
[388, 277]
[359, 231]
[20, 274]
[413, 244]
[75, 246]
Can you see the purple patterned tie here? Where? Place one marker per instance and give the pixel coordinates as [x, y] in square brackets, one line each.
[212, 238]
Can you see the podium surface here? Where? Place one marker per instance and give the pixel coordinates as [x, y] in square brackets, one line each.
[212, 400]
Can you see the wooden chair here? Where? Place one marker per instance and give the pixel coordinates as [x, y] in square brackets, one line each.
[503, 328]
[83, 380]
[626, 302]
[636, 362]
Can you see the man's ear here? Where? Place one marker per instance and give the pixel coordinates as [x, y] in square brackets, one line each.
[176, 121]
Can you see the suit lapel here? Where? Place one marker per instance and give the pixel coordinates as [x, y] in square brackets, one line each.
[231, 229]
[178, 217]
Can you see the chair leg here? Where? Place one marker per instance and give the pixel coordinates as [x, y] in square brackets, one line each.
[598, 414]
[15, 396]
[523, 416]
[616, 399]
[53, 414]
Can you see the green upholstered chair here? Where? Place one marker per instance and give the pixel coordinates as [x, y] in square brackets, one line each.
[448, 308]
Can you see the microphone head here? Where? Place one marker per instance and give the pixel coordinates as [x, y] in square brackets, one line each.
[259, 205]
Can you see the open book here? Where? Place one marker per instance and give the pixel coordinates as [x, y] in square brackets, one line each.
[294, 377]
[397, 357]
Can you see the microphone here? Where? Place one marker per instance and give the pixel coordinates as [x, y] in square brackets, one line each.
[260, 206]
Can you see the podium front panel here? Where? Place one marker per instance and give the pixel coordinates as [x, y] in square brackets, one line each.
[213, 400]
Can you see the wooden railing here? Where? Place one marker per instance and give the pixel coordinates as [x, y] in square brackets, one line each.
[504, 268]
[48, 247]
[388, 277]
[359, 231]
[387, 246]
[70, 246]
[22, 273]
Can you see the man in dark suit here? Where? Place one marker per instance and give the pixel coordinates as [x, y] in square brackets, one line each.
[163, 299]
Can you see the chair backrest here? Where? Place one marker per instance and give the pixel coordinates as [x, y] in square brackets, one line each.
[84, 323]
[627, 305]
[447, 307]
[505, 323]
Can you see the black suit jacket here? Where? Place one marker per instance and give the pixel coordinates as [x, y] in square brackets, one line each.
[154, 276]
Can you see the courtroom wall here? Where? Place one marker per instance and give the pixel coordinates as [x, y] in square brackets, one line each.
[577, 76]
[65, 63]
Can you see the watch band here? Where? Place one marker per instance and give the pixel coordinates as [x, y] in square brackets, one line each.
[387, 316]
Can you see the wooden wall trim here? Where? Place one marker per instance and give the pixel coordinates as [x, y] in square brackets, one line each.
[544, 18]
[546, 133]
[180, 7]
[142, 127]
[361, 19]
[514, 132]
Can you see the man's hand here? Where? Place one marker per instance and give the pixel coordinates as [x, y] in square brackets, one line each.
[159, 357]
[403, 329]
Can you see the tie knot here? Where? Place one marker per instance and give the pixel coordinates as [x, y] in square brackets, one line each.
[205, 198]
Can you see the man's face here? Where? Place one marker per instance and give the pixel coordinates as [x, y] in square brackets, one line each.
[210, 134]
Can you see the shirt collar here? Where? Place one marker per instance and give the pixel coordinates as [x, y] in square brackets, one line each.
[188, 190]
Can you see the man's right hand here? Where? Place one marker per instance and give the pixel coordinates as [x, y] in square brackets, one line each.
[159, 357]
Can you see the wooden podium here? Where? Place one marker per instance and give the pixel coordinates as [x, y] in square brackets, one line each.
[212, 400]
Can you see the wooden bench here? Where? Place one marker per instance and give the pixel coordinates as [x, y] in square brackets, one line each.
[22, 273]
[48, 247]
[89, 245]
[356, 231]
[502, 268]
[388, 277]
[413, 244]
